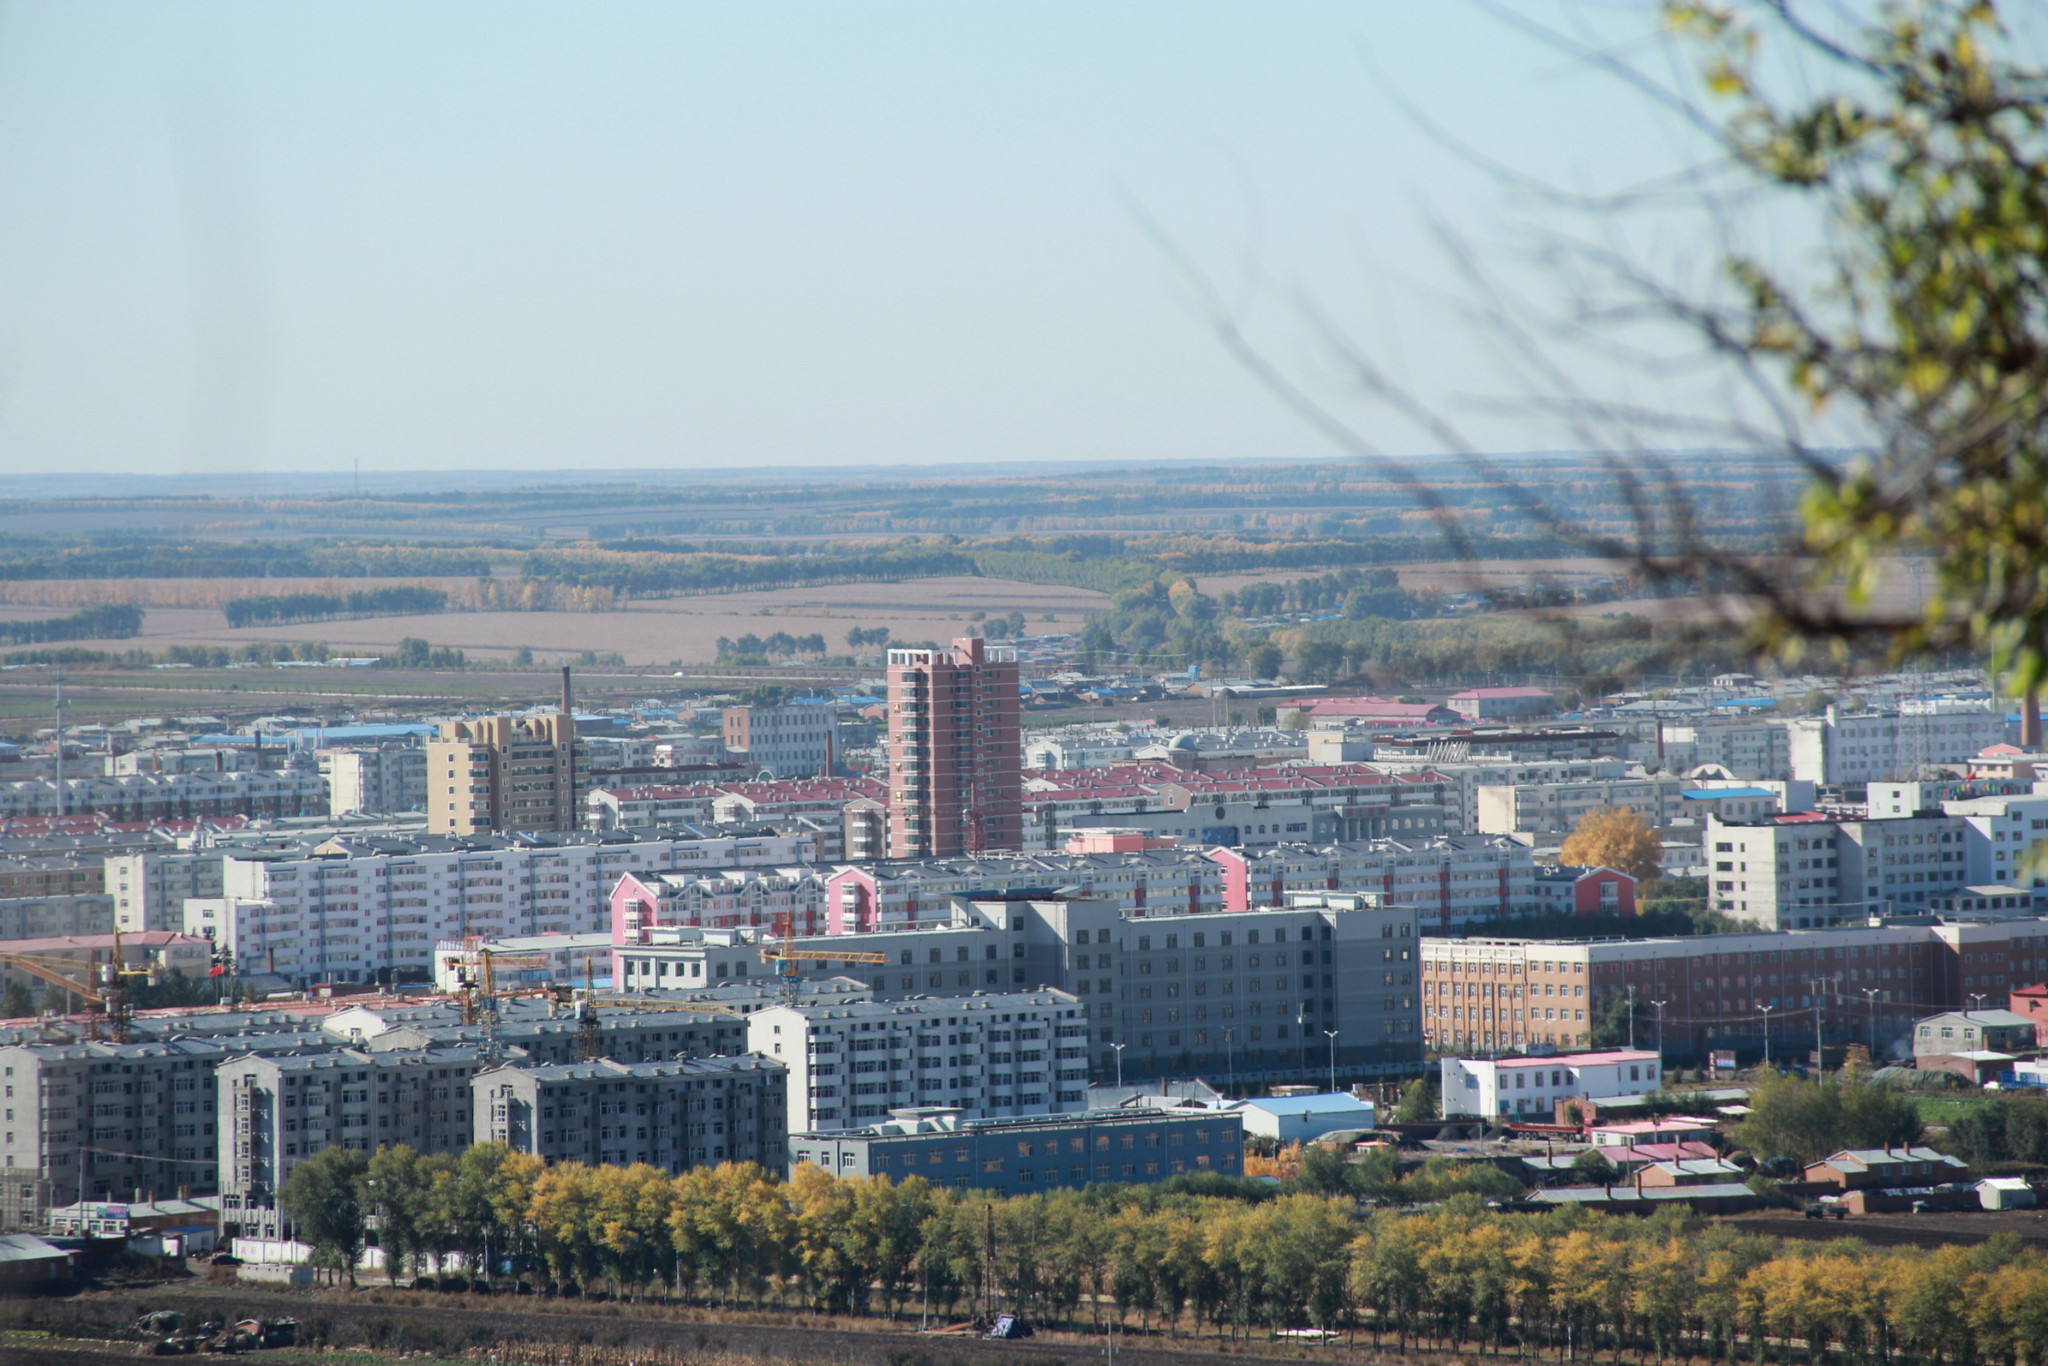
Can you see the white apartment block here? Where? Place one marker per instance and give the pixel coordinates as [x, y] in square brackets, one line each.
[1760, 751]
[1466, 778]
[1843, 748]
[357, 909]
[2000, 835]
[150, 889]
[172, 796]
[1555, 808]
[1532, 1087]
[1013, 1053]
[1450, 882]
[1806, 871]
[796, 740]
[376, 781]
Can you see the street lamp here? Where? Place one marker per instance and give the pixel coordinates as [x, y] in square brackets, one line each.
[1978, 997]
[1119, 1064]
[1870, 995]
[1331, 1034]
[1631, 1017]
[1230, 1054]
[1767, 1035]
[1660, 1031]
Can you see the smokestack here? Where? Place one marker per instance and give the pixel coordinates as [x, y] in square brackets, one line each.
[565, 690]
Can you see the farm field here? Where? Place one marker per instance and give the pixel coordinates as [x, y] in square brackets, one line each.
[677, 630]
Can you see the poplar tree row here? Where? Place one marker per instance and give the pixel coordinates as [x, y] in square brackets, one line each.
[1245, 1258]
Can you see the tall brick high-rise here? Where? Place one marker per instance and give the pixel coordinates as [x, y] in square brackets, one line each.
[955, 752]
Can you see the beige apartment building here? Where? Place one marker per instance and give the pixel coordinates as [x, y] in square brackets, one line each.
[503, 773]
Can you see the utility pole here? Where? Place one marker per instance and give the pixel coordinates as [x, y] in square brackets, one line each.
[1820, 1055]
[60, 746]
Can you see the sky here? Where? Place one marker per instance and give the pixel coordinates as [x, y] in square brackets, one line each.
[710, 237]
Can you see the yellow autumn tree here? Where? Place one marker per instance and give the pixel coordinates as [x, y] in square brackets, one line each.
[1615, 837]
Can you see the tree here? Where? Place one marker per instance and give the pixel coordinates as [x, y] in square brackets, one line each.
[1808, 1120]
[1617, 838]
[413, 652]
[397, 1190]
[1591, 1168]
[1263, 661]
[324, 1197]
[1418, 1102]
[17, 1002]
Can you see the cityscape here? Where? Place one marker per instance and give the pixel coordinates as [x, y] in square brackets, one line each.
[740, 718]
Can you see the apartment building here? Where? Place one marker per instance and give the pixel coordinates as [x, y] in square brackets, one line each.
[902, 894]
[794, 740]
[150, 889]
[153, 797]
[1006, 1054]
[357, 909]
[1247, 807]
[954, 751]
[1029, 1153]
[1512, 995]
[2000, 835]
[1451, 882]
[674, 1115]
[1256, 996]
[376, 780]
[1760, 751]
[1556, 808]
[1463, 780]
[278, 1110]
[1842, 748]
[504, 773]
[721, 898]
[43, 917]
[1807, 870]
[63, 876]
[86, 1120]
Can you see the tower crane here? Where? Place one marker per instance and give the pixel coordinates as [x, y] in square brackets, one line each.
[788, 975]
[105, 986]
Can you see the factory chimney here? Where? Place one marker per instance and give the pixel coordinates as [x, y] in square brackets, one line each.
[565, 690]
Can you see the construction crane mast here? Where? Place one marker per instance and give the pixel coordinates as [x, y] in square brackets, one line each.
[788, 975]
[105, 986]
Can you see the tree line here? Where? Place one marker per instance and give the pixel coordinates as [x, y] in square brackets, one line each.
[280, 608]
[1208, 1255]
[113, 621]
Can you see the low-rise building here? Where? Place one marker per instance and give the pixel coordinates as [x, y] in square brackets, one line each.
[1532, 1087]
[1025, 1154]
[1602, 892]
[694, 1112]
[1964, 1031]
[1886, 1168]
[1303, 1119]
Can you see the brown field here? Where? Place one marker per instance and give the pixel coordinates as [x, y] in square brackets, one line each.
[649, 631]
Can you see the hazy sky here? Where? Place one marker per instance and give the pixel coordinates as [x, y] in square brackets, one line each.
[710, 236]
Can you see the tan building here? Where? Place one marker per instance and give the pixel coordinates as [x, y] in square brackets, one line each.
[503, 773]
